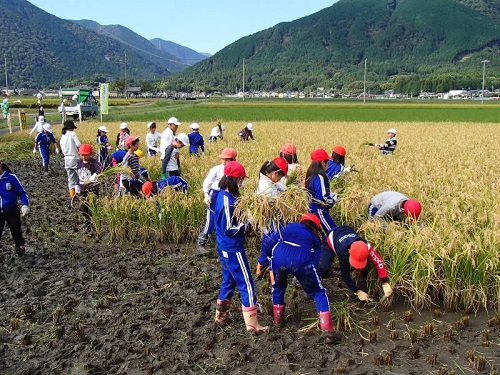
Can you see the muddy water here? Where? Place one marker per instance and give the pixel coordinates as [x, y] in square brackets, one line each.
[81, 305]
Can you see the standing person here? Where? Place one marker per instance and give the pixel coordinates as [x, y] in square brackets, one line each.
[217, 132]
[196, 141]
[39, 97]
[247, 133]
[295, 250]
[392, 205]
[11, 191]
[319, 188]
[132, 181]
[336, 165]
[122, 136]
[390, 144]
[167, 137]
[69, 147]
[152, 139]
[43, 141]
[104, 146]
[210, 189]
[87, 169]
[171, 165]
[231, 249]
[353, 251]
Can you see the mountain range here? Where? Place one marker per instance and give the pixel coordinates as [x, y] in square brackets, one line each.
[404, 44]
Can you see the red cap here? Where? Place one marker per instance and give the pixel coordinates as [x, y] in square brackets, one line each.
[130, 140]
[234, 169]
[85, 149]
[289, 149]
[228, 153]
[319, 155]
[358, 254]
[311, 217]
[282, 164]
[146, 188]
[412, 208]
[339, 150]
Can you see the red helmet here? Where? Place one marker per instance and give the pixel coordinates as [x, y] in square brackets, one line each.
[234, 169]
[146, 188]
[311, 217]
[319, 155]
[339, 150]
[85, 149]
[228, 153]
[289, 149]
[358, 254]
[282, 164]
[412, 208]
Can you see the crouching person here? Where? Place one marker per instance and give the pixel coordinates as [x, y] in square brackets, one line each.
[353, 251]
[87, 170]
[297, 248]
[231, 249]
[176, 183]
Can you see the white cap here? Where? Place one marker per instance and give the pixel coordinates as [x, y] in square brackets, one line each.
[123, 126]
[174, 120]
[41, 118]
[182, 137]
[391, 130]
[194, 126]
[250, 126]
[151, 124]
[223, 127]
[39, 96]
[103, 129]
[75, 97]
[47, 127]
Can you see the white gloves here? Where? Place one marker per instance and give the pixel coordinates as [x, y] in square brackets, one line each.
[207, 199]
[93, 178]
[34, 150]
[362, 295]
[202, 154]
[77, 189]
[347, 169]
[335, 197]
[24, 210]
[57, 151]
[387, 289]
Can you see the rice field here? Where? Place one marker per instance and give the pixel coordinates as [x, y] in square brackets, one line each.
[452, 168]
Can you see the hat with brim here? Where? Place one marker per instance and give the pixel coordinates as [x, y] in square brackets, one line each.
[68, 124]
[358, 254]
[103, 129]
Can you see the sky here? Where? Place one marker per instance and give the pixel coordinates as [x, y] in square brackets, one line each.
[202, 25]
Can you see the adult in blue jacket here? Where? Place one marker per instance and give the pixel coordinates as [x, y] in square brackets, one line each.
[10, 191]
[196, 141]
[297, 248]
[43, 141]
[318, 186]
[231, 249]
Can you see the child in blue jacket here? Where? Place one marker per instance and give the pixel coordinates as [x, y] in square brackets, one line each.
[318, 186]
[196, 141]
[43, 141]
[231, 249]
[295, 251]
[10, 191]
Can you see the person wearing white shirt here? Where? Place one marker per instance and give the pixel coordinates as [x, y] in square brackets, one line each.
[69, 147]
[167, 137]
[152, 140]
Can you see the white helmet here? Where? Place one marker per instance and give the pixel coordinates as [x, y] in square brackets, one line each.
[103, 129]
[391, 130]
[47, 127]
[223, 127]
[123, 126]
[41, 118]
[182, 137]
[250, 126]
[39, 96]
[194, 126]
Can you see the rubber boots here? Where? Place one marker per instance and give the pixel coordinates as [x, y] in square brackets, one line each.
[326, 325]
[202, 241]
[279, 315]
[221, 311]
[252, 320]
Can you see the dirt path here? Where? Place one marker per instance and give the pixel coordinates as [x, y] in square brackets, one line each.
[80, 305]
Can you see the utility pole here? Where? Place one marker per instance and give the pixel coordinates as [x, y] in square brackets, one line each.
[243, 79]
[6, 80]
[125, 86]
[484, 70]
[364, 85]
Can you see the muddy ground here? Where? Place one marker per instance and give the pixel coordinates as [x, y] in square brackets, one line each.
[77, 304]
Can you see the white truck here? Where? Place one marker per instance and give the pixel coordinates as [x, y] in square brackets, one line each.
[77, 102]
